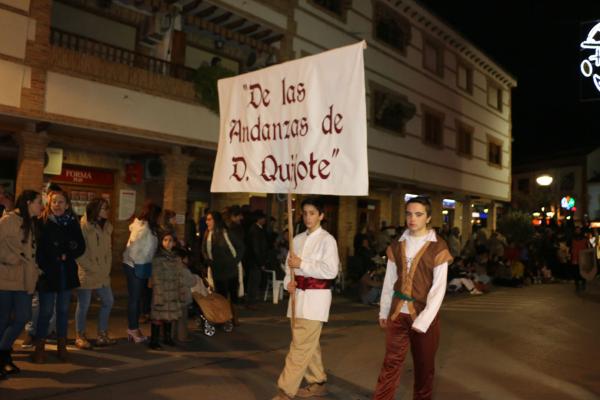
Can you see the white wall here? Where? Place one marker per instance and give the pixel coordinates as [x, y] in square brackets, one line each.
[95, 101]
[82, 23]
[13, 77]
[14, 30]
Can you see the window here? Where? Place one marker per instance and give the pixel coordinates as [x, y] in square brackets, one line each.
[337, 7]
[464, 139]
[433, 59]
[464, 78]
[567, 182]
[390, 27]
[494, 97]
[433, 127]
[495, 153]
[523, 185]
[390, 111]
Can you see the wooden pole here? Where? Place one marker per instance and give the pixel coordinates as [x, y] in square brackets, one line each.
[291, 251]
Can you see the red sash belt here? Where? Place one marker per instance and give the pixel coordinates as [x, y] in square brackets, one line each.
[306, 282]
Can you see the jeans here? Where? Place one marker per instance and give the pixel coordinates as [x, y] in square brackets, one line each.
[135, 286]
[84, 297]
[62, 299]
[372, 296]
[17, 304]
[31, 326]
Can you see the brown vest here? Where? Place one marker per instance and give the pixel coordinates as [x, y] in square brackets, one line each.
[418, 281]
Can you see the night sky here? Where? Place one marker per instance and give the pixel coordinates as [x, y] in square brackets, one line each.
[538, 44]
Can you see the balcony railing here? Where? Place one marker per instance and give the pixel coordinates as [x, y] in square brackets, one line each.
[119, 55]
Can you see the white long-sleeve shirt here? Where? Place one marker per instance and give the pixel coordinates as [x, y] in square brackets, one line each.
[320, 259]
[436, 293]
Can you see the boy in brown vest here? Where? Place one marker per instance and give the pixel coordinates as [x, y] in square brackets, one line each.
[413, 290]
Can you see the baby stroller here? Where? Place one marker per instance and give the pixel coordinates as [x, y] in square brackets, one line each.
[214, 309]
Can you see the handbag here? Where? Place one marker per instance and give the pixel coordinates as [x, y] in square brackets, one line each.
[143, 271]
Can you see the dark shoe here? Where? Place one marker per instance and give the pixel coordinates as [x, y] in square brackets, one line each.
[155, 337]
[312, 390]
[9, 366]
[167, 338]
[39, 354]
[61, 349]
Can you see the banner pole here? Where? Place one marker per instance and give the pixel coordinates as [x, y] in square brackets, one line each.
[291, 251]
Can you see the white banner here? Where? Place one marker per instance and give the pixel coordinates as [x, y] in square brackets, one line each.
[300, 126]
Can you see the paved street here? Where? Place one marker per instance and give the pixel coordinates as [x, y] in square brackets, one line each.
[539, 342]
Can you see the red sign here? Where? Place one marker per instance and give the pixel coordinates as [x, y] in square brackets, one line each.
[84, 176]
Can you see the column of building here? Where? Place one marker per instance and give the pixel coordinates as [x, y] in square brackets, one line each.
[176, 186]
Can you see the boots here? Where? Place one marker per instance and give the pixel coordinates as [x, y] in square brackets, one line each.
[61, 349]
[155, 337]
[167, 338]
[4, 354]
[39, 353]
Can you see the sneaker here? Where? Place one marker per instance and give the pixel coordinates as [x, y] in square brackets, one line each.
[104, 340]
[475, 292]
[27, 342]
[312, 390]
[81, 341]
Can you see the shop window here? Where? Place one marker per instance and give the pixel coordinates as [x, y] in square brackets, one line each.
[464, 78]
[464, 139]
[494, 97]
[433, 128]
[495, 153]
[523, 185]
[391, 111]
[390, 27]
[433, 57]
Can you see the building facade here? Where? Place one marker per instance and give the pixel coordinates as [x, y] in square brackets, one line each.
[103, 97]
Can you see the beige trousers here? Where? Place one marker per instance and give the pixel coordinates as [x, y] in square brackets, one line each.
[304, 358]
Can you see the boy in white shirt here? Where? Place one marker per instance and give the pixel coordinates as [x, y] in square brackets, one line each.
[315, 261]
[413, 290]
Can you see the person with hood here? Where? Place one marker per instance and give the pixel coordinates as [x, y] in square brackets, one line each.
[94, 272]
[60, 244]
[18, 273]
[137, 264]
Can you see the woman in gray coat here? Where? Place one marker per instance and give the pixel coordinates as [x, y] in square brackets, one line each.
[94, 272]
[18, 273]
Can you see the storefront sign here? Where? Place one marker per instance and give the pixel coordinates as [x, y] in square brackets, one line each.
[84, 176]
[126, 204]
[590, 66]
[567, 202]
[295, 127]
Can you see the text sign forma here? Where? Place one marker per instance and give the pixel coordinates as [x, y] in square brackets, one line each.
[84, 176]
[299, 126]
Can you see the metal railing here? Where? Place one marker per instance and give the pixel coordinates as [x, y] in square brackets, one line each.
[119, 55]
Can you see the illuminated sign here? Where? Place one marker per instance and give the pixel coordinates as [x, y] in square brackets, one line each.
[567, 203]
[590, 66]
[448, 203]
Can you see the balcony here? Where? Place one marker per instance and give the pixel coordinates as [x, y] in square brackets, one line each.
[89, 58]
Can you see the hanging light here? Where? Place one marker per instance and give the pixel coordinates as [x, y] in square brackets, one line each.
[544, 180]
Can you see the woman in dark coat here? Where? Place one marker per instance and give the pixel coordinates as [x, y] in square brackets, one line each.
[60, 244]
[222, 253]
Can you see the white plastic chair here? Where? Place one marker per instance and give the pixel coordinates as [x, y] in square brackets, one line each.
[275, 285]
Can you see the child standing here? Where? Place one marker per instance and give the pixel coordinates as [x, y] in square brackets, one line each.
[315, 261]
[167, 291]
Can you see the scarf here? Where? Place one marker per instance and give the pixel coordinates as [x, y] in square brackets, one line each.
[209, 245]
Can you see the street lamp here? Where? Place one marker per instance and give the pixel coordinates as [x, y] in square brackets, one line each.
[544, 180]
